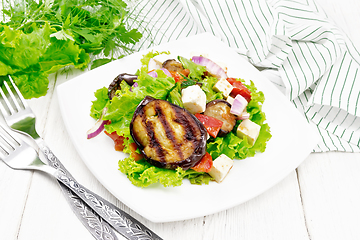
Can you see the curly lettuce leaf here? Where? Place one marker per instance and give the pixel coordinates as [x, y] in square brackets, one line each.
[31, 57]
[196, 70]
[145, 61]
[143, 174]
[32, 84]
[102, 99]
[20, 51]
[62, 53]
[198, 178]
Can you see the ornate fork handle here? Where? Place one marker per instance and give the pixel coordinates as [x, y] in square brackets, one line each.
[125, 224]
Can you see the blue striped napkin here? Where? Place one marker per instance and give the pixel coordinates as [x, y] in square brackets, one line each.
[293, 43]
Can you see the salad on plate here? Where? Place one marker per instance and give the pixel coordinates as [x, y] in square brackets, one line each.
[180, 118]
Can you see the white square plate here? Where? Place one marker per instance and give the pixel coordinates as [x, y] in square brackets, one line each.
[292, 140]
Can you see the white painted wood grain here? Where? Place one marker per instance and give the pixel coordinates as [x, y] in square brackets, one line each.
[331, 195]
[319, 201]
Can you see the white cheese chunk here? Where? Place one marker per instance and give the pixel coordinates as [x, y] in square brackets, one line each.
[223, 86]
[194, 99]
[221, 167]
[248, 129]
[230, 100]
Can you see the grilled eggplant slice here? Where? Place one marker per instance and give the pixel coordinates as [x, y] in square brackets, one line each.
[173, 65]
[169, 136]
[220, 109]
[115, 84]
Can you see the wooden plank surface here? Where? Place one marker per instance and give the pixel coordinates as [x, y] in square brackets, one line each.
[320, 200]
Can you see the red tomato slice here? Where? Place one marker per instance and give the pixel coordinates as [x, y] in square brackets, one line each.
[134, 154]
[205, 164]
[211, 124]
[177, 76]
[239, 88]
[118, 140]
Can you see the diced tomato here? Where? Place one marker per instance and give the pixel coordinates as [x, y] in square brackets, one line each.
[185, 72]
[211, 124]
[205, 164]
[134, 154]
[177, 76]
[119, 145]
[239, 88]
[118, 140]
[231, 80]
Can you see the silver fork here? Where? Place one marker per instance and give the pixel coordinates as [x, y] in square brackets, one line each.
[20, 116]
[21, 119]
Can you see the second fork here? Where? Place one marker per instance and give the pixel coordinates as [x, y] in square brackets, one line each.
[125, 224]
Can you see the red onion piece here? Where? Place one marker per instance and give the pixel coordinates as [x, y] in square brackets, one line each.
[153, 74]
[238, 105]
[167, 73]
[211, 67]
[98, 127]
[134, 86]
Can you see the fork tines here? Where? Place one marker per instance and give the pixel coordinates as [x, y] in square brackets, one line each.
[12, 98]
[7, 142]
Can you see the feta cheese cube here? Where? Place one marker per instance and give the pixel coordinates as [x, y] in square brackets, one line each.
[223, 86]
[248, 129]
[221, 167]
[230, 100]
[194, 99]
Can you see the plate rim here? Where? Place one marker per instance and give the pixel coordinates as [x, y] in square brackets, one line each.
[150, 216]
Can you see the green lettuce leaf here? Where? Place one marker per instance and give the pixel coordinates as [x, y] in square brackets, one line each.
[20, 51]
[175, 95]
[196, 70]
[63, 53]
[207, 86]
[102, 99]
[31, 57]
[32, 84]
[143, 174]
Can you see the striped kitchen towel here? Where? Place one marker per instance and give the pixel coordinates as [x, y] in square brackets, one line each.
[292, 41]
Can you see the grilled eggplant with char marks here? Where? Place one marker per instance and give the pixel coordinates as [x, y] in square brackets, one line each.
[220, 109]
[169, 136]
[173, 65]
[115, 84]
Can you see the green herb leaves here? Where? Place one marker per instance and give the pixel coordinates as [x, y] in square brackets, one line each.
[40, 37]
